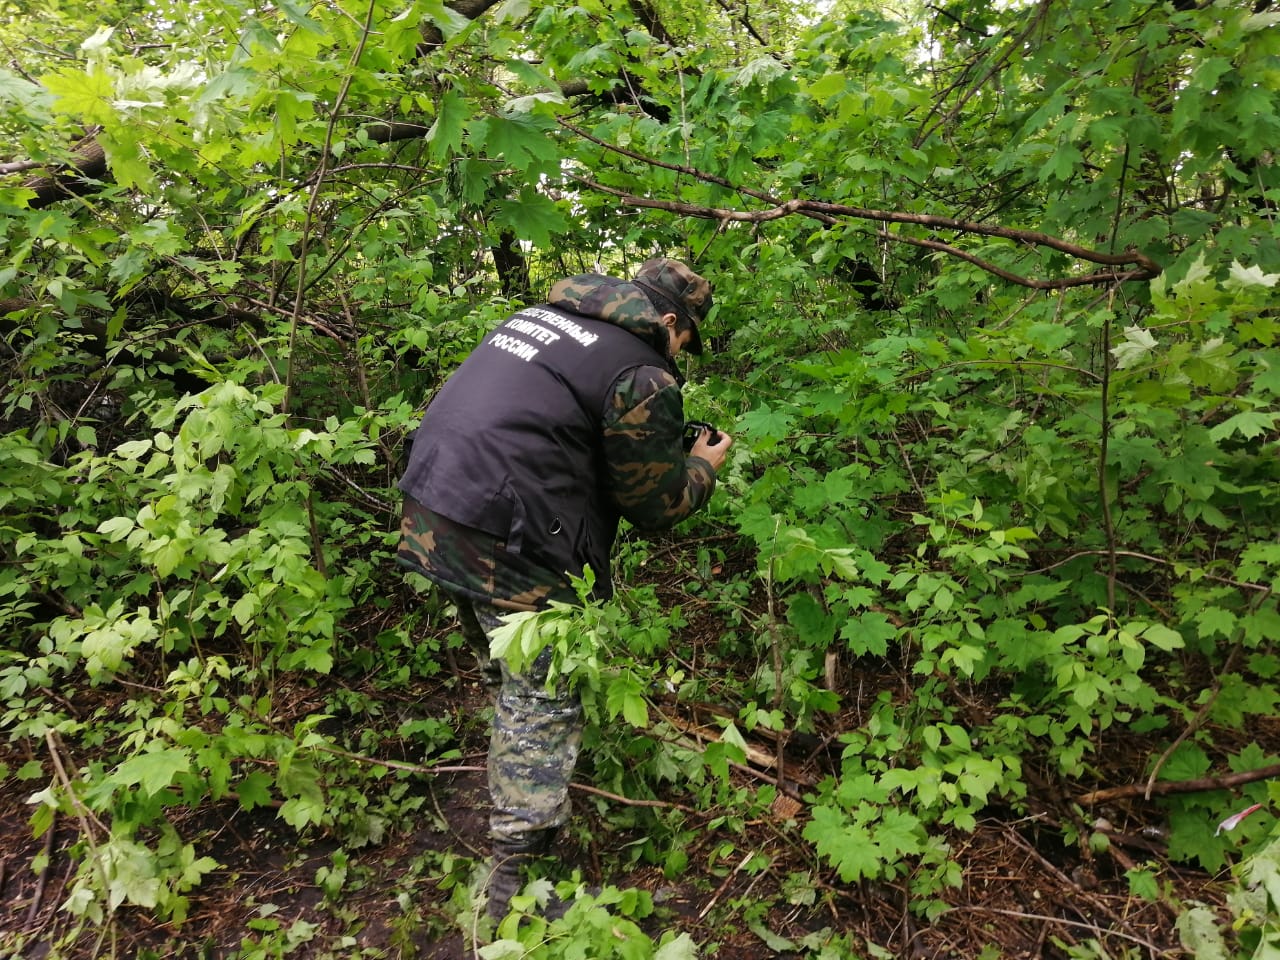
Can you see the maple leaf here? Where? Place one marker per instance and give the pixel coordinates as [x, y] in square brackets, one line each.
[254, 790]
[899, 833]
[153, 771]
[848, 846]
[1243, 277]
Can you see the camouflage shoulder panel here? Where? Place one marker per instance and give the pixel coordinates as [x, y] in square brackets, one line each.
[638, 384]
[614, 301]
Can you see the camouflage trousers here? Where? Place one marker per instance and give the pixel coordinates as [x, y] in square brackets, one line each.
[535, 740]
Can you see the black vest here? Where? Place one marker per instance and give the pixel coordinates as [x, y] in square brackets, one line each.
[512, 444]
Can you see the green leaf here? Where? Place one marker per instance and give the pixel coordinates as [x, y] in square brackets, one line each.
[116, 528]
[839, 562]
[1213, 621]
[943, 599]
[507, 642]
[153, 771]
[450, 22]
[520, 140]
[766, 424]
[813, 624]
[1249, 424]
[1244, 278]
[869, 633]
[1062, 165]
[532, 217]
[1191, 837]
[827, 86]
[550, 100]
[131, 873]
[18, 89]
[681, 948]
[771, 940]
[1268, 377]
[445, 135]
[899, 834]
[254, 790]
[1143, 883]
[1200, 934]
[626, 696]
[302, 810]
[127, 161]
[847, 846]
[297, 13]
[511, 11]
[732, 737]
[1137, 344]
[966, 657]
[166, 556]
[762, 70]
[1164, 638]
[83, 95]
[1187, 762]
[503, 950]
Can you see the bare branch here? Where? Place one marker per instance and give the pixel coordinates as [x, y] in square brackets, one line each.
[20, 166]
[828, 212]
[1060, 284]
[78, 178]
[1242, 585]
[393, 131]
[1165, 787]
[1034, 237]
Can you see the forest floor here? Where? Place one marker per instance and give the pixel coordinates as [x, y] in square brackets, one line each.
[1026, 892]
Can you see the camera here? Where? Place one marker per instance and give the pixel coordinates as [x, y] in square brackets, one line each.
[693, 429]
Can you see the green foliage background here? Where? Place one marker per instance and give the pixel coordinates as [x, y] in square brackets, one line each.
[996, 331]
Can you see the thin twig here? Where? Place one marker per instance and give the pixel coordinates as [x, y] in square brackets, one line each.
[1198, 719]
[1146, 556]
[34, 910]
[1104, 446]
[724, 886]
[997, 64]
[419, 768]
[775, 644]
[1236, 647]
[1100, 932]
[362, 379]
[627, 801]
[1066, 881]
[370, 499]
[83, 813]
[312, 203]
[906, 462]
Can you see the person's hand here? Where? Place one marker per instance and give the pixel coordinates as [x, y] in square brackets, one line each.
[712, 452]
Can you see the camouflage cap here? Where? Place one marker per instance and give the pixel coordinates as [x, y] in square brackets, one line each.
[689, 293]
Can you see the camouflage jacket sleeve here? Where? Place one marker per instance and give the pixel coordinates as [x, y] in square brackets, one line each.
[652, 482]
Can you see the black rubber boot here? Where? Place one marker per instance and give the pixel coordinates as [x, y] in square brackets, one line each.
[510, 857]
